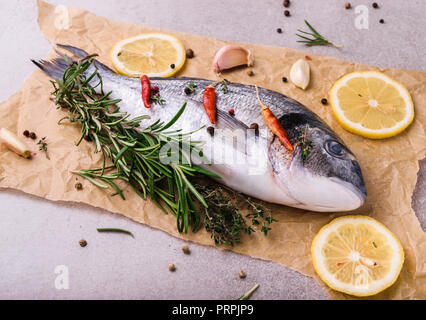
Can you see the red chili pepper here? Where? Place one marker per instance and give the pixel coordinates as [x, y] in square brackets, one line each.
[274, 125]
[146, 91]
[209, 103]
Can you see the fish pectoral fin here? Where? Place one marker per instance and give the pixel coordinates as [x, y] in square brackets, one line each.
[226, 121]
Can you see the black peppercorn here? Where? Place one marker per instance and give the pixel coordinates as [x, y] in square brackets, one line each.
[284, 79]
[382, 21]
[279, 30]
[324, 101]
[210, 130]
[33, 135]
[172, 66]
[26, 133]
[287, 13]
[187, 90]
[286, 3]
[189, 53]
[375, 5]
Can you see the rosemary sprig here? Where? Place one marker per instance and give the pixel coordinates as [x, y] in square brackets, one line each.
[316, 40]
[115, 230]
[192, 87]
[247, 295]
[133, 152]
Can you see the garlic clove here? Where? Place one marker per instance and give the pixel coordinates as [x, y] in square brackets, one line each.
[12, 142]
[231, 56]
[300, 74]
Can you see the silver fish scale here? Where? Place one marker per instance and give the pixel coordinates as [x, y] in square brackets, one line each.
[241, 98]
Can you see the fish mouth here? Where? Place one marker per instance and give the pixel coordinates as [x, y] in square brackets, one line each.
[349, 197]
[358, 192]
[314, 192]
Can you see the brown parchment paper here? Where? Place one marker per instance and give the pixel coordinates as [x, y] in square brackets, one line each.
[389, 166]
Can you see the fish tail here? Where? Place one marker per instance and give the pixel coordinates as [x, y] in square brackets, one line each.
[56, 67]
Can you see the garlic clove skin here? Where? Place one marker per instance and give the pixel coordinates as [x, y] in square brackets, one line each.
[300, 74]
[231, 56]
[12, 142]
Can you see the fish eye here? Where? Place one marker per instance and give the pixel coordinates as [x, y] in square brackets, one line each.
[335, 149]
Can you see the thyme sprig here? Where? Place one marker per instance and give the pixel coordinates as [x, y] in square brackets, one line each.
[134, 154]
[224, 218]
[156, 98]
[43, 146]
[306, 144]
[316, 38]
[224, 85]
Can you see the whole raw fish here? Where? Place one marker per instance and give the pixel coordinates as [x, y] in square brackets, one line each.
[325, 178]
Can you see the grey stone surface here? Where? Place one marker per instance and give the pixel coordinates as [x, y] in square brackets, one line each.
[37, 235]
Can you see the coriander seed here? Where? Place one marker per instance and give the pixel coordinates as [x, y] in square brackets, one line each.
[185, 249]
[172, 267]
[33, 135]
[250, 73]
[242, 274]
[82, 243]
[78, 186]
[347, 5]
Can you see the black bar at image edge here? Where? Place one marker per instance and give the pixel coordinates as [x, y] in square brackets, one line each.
[209, 309]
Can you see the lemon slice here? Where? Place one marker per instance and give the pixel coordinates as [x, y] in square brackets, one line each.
[371, 104]
[357, 255]
[152, 54]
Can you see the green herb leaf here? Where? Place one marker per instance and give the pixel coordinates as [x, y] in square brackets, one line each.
[115, 230]
[247, 295]
[134, 152]
[316, 38]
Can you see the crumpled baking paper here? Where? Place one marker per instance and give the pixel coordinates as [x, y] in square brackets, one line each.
[389, 166]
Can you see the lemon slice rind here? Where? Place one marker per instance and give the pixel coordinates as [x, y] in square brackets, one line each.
[357, 128]
[376, 286]
[121, 68]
